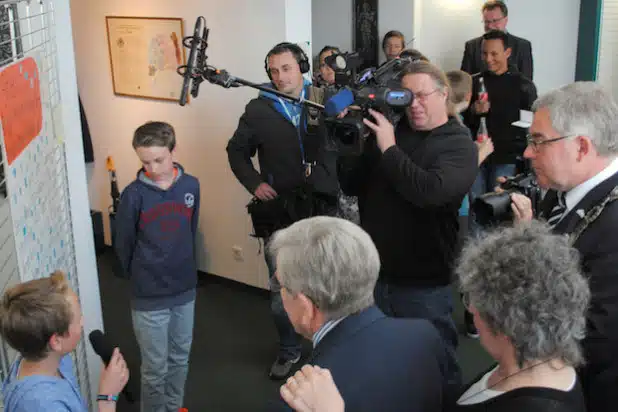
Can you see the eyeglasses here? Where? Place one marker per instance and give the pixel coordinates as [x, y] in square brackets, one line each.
[465, 299]
[423, 96]
[493, 21]
[275, 286]
[532, 141]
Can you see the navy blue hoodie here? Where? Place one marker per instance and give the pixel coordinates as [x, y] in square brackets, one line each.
[155, 240]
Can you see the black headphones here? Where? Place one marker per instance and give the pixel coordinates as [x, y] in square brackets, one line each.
[296, 50]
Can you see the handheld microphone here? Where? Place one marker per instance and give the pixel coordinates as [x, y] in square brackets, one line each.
[102, 347]
[338, 102]
[191, 72]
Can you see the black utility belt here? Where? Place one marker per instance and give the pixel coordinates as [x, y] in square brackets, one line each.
[272, 215]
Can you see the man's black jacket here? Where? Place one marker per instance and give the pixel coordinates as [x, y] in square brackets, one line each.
[265, 131]
[521, 56]
[409, 197]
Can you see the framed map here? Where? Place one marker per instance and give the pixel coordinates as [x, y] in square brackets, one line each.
[144, 54]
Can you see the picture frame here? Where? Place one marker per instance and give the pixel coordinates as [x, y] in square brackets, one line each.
[365, 35]
[144, 53]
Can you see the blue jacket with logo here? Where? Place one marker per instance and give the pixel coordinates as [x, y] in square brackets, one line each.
[155, 240]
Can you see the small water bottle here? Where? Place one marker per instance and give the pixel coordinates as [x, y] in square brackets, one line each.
[483, 95]
[482, 134]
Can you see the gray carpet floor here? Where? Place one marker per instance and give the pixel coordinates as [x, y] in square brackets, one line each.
[234, 343]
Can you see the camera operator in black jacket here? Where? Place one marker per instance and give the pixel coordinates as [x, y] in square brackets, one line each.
[295, 166]
[410, 184]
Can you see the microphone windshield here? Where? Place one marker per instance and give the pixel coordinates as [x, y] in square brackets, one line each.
[338, 102]
[101, 345]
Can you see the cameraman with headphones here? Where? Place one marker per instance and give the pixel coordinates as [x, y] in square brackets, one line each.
[290, 141]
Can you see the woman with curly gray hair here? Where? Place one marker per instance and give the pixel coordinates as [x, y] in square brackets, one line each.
[528, 297]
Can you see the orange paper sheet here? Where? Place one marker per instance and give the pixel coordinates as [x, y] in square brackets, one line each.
[20, 106]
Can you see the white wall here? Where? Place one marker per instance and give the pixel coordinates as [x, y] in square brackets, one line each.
[298, 24]
[442, 27]
[83, 241]
[552, 27]
[332, 22]
[608, 47]
[238, 42]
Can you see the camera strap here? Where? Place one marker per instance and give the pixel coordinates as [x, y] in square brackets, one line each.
[592, 215]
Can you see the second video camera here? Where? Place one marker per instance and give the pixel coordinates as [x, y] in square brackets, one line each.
[494, 208]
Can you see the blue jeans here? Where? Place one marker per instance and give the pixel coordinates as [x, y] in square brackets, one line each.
[164, 338]
[289, 340]
[433, 304]
[485, 182]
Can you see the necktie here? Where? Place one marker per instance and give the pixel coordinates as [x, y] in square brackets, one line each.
[556, 213]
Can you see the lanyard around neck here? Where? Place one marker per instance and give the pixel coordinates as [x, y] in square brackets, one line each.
[294, 119]
[296, 122]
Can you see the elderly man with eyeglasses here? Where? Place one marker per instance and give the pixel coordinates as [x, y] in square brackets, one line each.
[327, 268]
[496, 17]
[573, 149]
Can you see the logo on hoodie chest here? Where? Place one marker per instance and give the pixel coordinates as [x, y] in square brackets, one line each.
[189, 200]
[169, 214]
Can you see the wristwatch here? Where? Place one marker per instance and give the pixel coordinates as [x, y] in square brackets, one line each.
[109, 398]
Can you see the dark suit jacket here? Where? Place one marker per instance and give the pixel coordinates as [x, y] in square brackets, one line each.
[385, 364]
[598, 246]
[521, 56]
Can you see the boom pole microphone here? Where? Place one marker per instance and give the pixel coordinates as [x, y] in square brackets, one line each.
[102, 347]
[192, 71]
[197, 70]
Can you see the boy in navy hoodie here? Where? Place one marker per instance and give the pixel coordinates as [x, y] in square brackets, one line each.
[156, 224]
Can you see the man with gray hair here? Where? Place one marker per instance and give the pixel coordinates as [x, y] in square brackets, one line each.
[327, 268]
[573, 149]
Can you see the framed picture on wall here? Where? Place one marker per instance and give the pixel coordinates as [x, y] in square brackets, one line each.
[144, 53]
[366, 41]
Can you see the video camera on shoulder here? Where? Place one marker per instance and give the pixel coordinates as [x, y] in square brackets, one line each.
[378, 89]
[494, 208]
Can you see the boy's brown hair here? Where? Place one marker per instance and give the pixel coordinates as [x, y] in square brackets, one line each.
[158, 134]
[461, 85]
[32, 312]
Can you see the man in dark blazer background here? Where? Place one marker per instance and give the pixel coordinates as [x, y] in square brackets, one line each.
[573, 149]
[327, 268]
[496, 17]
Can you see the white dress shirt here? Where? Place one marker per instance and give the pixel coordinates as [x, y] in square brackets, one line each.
[575, 195]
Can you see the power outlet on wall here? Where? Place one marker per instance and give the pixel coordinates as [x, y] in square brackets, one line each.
[237, 253]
